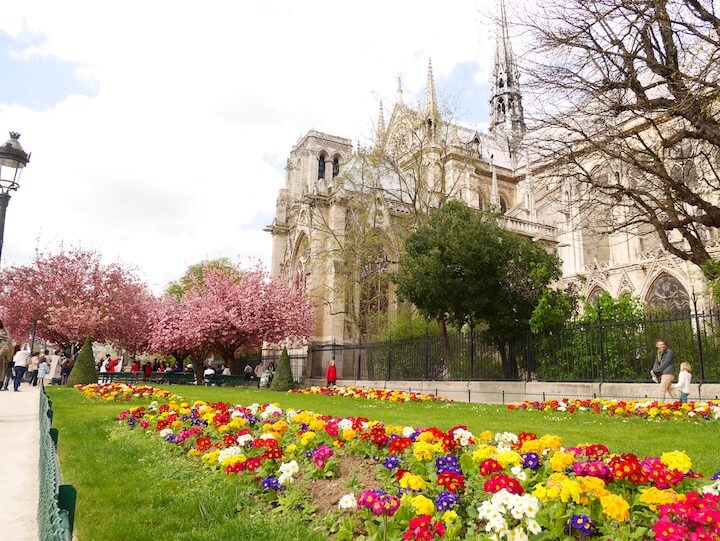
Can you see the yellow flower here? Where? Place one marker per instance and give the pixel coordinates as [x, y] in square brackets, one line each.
[508, 457]
[348, 434]
[412, 481]
[560, 461]
[483, 452]
[615, 507]
[593, 486]
[423, 505]
[427, 437]
[550, 442]
[654, 496]
[449, 516]
[290, 449]
[423, 451]
[306, 438]
[486, 435]
[677, 460]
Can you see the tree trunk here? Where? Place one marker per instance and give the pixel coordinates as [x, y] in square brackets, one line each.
[198, 368]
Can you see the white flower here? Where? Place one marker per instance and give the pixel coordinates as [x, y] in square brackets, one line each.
[285, 479]
[289, 467]
[713, 489]
[270, 411]
[244, 439]
[153, 406]
[517, 534]
[267, 436]
[165, 431]
[345, 424]
[533, 526]
[408, 431]
[253, 408]
[462, 436]
[348, 502]
[229, 452]
[235, 414]
[519, 472]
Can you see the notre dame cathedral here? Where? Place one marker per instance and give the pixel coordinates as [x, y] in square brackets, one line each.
[334, 190]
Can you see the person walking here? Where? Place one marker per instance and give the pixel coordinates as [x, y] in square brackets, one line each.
[6, 355]
[20, 359]
[684, 379]
[663, 369]
[9, 369]
[55, 360]
[66, 366]
[43, 367]
[331, 374]
[32, 369]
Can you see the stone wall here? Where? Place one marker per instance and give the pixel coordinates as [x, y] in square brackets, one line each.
[507, 392]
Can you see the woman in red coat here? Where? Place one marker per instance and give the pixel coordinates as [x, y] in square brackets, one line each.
[331, 375]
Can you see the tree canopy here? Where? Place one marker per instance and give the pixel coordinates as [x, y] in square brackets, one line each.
[464, 268]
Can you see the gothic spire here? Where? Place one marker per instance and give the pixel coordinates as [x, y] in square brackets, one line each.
[380, 128]
[399, 99]
[430, 105]
[506, 117]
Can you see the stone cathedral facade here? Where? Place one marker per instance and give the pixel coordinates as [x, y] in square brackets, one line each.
[486, 170]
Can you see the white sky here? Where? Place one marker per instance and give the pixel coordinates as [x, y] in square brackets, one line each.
[178, 156]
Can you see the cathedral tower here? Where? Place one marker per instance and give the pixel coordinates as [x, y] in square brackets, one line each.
[506, 111]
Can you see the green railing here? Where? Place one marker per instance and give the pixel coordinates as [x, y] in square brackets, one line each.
[56, 503]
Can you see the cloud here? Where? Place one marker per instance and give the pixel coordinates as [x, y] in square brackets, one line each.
[180, 151]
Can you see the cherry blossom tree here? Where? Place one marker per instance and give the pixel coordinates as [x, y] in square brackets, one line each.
[71, 295]
[227, 313]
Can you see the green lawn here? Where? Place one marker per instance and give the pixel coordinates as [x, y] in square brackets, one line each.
[133, 486]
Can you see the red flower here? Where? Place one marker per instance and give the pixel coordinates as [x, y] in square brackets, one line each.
[489, 466]
[422, 529]
[451, 481]
[500, 481]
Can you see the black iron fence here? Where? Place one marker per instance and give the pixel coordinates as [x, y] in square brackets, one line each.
[604, 351]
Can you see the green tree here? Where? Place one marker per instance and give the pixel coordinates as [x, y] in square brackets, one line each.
[194, 275]
[84, 370]
[555, 309]
[461, 267]
[283, 378]
[711, 270]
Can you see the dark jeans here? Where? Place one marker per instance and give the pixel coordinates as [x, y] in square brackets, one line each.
[32, 377]
[7, 378]
[19, 373]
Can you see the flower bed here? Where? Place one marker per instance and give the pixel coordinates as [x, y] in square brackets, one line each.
[646, 409]
[387, 395]
[122, 392]
[433, 484]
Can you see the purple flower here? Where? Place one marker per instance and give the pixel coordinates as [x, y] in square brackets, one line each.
[171, 438]
[581, 523]
[271, 483]
[131, 422]
[446, 501]
[321, 455]
[391, 462]
[716, 476]
[448, 463]
[531, 460]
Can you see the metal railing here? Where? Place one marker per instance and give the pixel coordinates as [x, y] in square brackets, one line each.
[56, 502]
[603, 351]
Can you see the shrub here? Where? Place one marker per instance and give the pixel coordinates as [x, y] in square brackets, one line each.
[283, 378]
[84, 370]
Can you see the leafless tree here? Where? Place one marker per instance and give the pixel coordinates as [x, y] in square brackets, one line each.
[627, 109]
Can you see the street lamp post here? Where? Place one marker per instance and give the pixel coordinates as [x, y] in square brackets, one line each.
[13, 160]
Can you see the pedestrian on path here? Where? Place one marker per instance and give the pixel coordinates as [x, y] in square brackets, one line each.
[33, 367]
[9, 369]
[43, 367]
[663, 369]
[6, 355]
[66, 366]
[21, 361]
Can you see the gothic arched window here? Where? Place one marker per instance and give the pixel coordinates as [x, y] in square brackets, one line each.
[336, 166]
[503, 205]
[594, 295]
[666, 292]
[321, 166]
